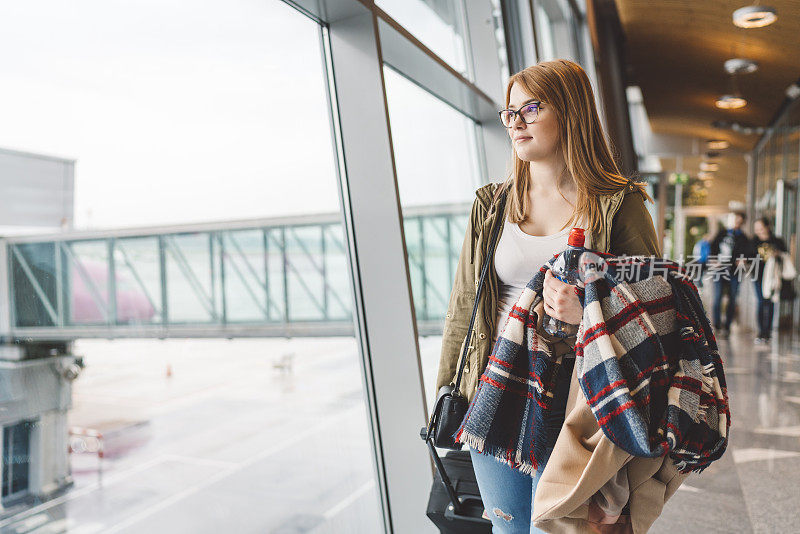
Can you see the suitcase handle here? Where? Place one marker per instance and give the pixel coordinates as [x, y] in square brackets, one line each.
[455, 502]
[458, 505]
[467, 502]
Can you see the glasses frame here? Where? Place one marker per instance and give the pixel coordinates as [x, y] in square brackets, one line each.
[516, 113]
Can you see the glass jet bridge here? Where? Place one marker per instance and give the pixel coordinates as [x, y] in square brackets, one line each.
[277, 277]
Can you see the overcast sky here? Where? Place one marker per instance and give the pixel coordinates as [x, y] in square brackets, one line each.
[206, 110]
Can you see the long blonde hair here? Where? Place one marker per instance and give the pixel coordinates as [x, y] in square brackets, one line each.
[564, 86]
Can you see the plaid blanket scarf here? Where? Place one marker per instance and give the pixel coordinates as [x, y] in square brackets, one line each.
[646, 361]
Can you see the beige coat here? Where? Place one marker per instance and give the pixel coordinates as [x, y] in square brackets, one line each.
[583, 459]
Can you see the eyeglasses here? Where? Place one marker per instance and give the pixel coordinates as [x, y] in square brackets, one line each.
[528, 113]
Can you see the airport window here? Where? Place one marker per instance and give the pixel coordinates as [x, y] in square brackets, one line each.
[519, 33]
[437, 174]
[544, 34]
[438, 25]
[500, 36]
[556, 30]
[195, 308]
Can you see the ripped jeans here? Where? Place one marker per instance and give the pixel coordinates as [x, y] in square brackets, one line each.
[507, 493]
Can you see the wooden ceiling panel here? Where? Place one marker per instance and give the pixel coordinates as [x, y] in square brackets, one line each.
[676, 51]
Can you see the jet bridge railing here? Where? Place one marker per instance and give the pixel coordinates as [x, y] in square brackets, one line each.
[269, 277]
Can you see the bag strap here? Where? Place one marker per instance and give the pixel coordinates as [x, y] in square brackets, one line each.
[484, 270]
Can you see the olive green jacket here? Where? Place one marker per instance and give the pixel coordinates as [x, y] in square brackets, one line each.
[627, 229]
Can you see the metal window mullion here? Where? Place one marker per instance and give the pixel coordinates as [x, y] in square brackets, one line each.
[267, 301]
[423, 269]
[796, 259]
[462, 29]
[324, 272]
[384, 309]
[752, 160]
[162, 267]
[213, 271]
[486, 69]
[59, 284]
[9, 322]
[449, 236]
[112, 284]
[222, 284]
[285, 269]
[11, 442]
[270, 299]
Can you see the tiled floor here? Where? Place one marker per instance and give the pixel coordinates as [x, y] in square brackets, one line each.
[755, 486]
[214, 462]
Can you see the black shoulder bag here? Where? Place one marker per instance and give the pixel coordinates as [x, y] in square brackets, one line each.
[448, 413]
[451, 406]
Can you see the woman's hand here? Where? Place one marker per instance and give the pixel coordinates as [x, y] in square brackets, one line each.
[561, 300]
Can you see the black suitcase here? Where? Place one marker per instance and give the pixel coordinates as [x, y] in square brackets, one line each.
[455, 504]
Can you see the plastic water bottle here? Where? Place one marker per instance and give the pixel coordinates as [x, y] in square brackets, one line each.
[565, 268]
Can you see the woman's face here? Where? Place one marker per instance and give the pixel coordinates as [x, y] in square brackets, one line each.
[538, 140]
[760, 230]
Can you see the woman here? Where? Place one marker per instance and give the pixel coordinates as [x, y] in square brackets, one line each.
[767, 245]
[563, 175]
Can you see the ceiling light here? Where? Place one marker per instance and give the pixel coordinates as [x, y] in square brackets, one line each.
[731, 102]
[747, 129]
[740, 65]
[754, 16]
[734, 99]
[708, 166]
[717, 144]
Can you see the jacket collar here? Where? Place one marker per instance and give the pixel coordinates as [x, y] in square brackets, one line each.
[485, 195]
[609, 204]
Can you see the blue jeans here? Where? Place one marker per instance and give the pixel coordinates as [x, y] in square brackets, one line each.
[732, 287]
[507, 493]
[764, 311]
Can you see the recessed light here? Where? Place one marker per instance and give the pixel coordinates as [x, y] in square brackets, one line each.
[754, 16]
[708, 166]
[717, 144]
[731, 102]
[740, 65]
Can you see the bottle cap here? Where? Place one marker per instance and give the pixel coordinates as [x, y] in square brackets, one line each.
[576, 237]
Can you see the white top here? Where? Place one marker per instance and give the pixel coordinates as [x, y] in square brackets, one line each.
[517, 258]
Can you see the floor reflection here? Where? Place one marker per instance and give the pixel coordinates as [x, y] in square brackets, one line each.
[754, 486]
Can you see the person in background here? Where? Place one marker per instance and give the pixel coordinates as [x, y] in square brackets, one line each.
[767, 245]
[700, 253]
[725, 252]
